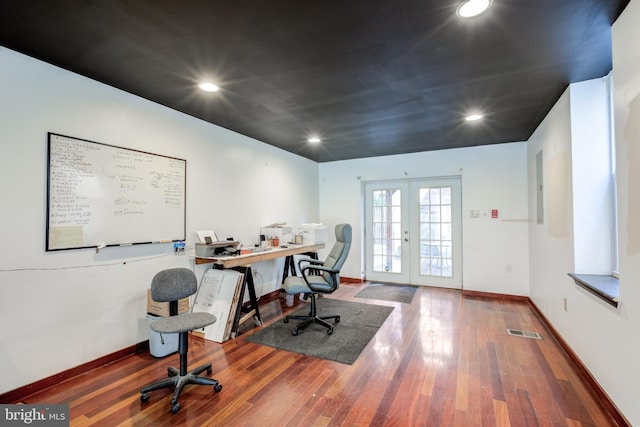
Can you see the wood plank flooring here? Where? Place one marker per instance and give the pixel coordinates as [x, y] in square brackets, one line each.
[443, 360]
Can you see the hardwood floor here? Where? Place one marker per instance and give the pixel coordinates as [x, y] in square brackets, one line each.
[443, 360]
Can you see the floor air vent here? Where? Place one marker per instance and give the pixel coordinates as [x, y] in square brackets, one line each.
[525, 334]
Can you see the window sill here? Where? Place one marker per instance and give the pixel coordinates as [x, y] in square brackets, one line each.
[603, 286]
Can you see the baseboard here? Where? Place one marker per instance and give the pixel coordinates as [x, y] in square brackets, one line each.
[600, 395]
[351, 280]
[17, 395]
[478, 294]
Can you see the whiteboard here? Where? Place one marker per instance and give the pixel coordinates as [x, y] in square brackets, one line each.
[102, 194]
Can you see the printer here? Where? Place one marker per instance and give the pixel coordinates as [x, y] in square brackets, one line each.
[218, 248]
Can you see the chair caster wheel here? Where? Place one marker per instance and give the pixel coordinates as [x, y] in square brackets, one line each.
[171, 373]
[217, 388]
[209, 371]
[329, 331]
[294, 332]
[338, 319]
[286, 320]
[175, 408]
[144, 398]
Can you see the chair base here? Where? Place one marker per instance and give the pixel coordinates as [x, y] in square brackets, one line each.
[313, 318]
[179, 381]
[180, 378]
[307, 320]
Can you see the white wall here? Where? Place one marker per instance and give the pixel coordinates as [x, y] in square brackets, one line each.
[493, 177]
[621, 381]
[604, 338]
[551, 243]
[62, 309]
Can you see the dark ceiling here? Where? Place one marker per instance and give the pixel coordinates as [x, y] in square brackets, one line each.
[371, 78]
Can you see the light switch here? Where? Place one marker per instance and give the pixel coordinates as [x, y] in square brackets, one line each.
[475, 213]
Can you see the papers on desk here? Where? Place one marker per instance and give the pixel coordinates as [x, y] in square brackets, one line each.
[207, 236]
[218, 294]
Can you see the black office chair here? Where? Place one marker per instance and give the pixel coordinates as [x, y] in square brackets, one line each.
[170, 286]
[320, 277]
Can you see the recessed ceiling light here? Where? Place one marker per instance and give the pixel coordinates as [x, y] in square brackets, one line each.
[208, 87]
[471, 8]
[314, 139]
[473, 117]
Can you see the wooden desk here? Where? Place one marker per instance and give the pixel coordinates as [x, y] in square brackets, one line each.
[229, 261]
[242, 263]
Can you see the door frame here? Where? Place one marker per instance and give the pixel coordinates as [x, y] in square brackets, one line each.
[410, 268]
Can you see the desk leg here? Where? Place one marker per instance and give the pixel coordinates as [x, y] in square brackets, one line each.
[238, 313]
[247, 282]
[313, 255]
[289, 267]
[252, 296]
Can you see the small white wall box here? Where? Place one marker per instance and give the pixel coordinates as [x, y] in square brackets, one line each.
[285, 234]
[156, 347]
[313, 233]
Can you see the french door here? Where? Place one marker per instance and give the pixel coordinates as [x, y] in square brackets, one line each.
[413, 232]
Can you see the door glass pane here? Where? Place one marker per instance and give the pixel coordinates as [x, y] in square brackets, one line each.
[445, 231]
[445, 212]
[377, 213]
[434, 196]
[434, 214]
[446, 196]
[387, 226]
[425, 231]
[435, 232]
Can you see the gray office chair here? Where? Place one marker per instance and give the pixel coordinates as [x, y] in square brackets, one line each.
[320, 277]
[170, 286]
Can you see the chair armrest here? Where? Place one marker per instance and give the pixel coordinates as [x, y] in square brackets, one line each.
[308, 261]
[332, 272]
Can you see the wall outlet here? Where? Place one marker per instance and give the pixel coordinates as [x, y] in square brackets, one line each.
[509, 268]
[565, 305]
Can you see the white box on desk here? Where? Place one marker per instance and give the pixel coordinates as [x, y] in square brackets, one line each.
[313, 233]
[285, 234]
